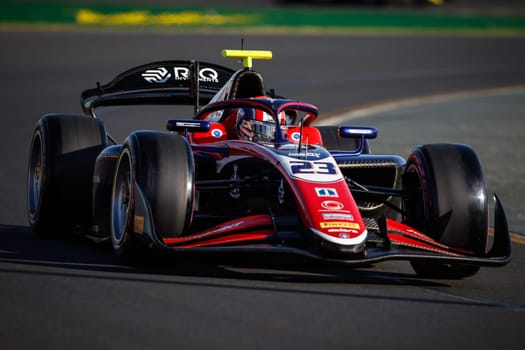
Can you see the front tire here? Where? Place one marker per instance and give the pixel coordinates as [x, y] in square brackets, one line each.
[448, 203]
[158, 166]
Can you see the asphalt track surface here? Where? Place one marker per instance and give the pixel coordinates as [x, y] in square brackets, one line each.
[61, 294]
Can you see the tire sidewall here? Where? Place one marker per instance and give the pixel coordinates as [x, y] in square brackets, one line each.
[121, 242]
[34, 209]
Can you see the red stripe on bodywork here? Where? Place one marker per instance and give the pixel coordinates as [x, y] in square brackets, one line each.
[402, 240]
[229, 239]
[401, 234]
[228, 232]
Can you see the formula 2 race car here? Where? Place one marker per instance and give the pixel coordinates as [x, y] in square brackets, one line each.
[250, 173]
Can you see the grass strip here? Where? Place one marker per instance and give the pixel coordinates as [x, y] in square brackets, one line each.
[107, 15]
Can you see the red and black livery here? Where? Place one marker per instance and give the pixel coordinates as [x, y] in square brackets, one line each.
[299, 189]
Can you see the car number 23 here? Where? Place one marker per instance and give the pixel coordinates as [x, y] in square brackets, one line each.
[319, 168]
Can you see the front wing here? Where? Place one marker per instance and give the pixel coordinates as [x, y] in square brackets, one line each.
[262, 234]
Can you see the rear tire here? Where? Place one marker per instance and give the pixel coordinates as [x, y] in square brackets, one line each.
[160, 166]
[449, 204]
[60, 169]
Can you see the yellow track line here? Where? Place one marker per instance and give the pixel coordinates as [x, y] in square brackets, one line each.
[516, 238]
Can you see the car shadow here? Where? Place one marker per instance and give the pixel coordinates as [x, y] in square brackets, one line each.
[19, 246]
[24, 254]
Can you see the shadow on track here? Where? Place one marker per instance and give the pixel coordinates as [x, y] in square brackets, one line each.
[23, 253]
[19, 246]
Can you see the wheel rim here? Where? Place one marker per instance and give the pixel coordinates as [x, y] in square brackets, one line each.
[121, 198]
[34, 180]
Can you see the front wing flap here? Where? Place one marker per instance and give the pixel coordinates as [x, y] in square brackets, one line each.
[259, 235]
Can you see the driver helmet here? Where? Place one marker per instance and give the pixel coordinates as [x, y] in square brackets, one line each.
[256, 125]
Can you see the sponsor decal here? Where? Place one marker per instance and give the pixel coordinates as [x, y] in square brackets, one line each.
[161, 75]
[344, 235]
[340, 224]
[345, 230]
[305, 154]
[231, 226]
[326, 192]
[337, 216]
[205, 74]
[158, 75]
[332, 205]
[138, 224]
[296, 136]
[217, 133]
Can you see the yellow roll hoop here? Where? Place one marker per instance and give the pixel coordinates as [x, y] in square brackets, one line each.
[248, 55]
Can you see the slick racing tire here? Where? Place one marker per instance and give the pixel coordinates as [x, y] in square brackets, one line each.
[332, 141]
[158, 167]
[60, 168]
[448, 203]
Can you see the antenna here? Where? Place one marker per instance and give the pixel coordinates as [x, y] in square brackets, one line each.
[300, 136]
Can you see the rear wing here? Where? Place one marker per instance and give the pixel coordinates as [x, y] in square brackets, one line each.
[165, 82]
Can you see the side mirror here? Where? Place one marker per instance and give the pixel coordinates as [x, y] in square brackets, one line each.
[366, 132]
[189, 125]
